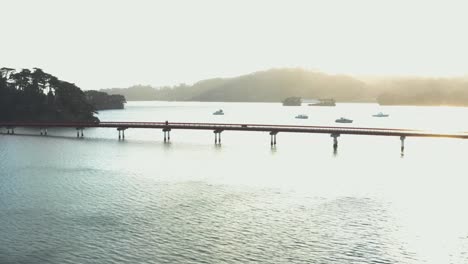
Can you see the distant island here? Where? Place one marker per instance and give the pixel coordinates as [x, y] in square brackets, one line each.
[265, 86]
[104, 101]
[34, 95]
[277, 84]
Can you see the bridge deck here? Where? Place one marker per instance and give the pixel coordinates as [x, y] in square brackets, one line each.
[245, 127]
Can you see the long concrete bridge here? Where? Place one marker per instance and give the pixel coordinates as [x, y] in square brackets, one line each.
[218, 128]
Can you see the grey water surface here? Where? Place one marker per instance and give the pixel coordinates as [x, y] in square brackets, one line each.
[101, 200]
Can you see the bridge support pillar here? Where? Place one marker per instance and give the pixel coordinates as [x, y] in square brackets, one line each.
[43, 131]
[335, 137]
[402, 139]
[121, 131]
[217, 134]
[167, 134]
[79, 132]
[273, 138]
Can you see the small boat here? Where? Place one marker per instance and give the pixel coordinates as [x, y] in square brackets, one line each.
[343, 120]
[302, 117]
[219, 112]
[380, 114]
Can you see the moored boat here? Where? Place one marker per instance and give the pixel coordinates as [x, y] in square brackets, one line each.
[343, 120]
[380, 114]
[219, 112]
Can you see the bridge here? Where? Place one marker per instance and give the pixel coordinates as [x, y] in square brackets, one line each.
[218, 128]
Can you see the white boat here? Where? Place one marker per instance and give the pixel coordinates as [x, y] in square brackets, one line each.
[380, 114]
[302, 117]
[343, 120]
[219, 112]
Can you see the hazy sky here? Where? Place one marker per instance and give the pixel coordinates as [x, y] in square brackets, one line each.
[109, 43]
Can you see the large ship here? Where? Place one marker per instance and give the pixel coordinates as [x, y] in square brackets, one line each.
[292, 101]
[324, 102]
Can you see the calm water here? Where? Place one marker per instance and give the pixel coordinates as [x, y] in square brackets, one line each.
[100, 200]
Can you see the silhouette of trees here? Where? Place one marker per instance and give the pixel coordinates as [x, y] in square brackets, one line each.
[34, 95]
[102, 101]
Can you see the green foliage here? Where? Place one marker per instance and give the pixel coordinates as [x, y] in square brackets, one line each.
[102, 101]
[33, 95]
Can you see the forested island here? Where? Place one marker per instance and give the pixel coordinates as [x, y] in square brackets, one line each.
[34, 95]
[277, 84]
[104, 101]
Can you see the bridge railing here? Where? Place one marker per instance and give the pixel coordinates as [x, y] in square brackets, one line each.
[234, 126]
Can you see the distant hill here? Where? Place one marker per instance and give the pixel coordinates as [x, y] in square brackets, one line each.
[424, 92]
[266, 86]
[277, 84]
[134, 93]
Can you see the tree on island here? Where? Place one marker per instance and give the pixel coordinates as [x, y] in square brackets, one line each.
[103, 101]
[34, 95]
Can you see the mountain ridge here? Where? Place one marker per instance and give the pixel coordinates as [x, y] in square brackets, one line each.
[275, 85]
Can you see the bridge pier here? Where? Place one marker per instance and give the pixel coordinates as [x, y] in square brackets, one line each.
[121, 131]
[273, 138]
[78, 134]
[11, 130]
[217, 134]
[43, 131]
[402, 139]
[335, 137]
[167, 134]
